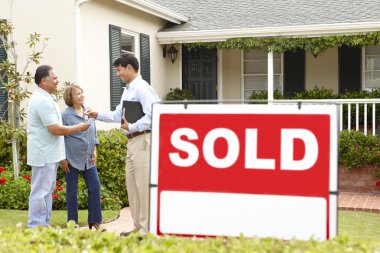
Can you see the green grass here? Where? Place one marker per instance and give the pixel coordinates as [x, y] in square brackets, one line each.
[9, 218]
[359, 225]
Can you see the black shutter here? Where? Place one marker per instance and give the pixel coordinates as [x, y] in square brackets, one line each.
[294, 72]
[145, 57]
[3, 92]
[115, 52]
[349, 68]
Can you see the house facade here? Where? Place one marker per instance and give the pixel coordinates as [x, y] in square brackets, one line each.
[85, 36]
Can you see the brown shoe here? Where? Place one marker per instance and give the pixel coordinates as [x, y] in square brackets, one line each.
[127, 233]
[97, 227]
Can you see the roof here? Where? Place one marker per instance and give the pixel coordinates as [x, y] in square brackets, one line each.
[155, 9]
[216, 20]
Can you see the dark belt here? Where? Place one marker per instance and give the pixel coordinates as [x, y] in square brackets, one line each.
[130, 136]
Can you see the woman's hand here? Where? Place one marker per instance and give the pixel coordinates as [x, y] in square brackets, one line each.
[65, 166]
[93, 157]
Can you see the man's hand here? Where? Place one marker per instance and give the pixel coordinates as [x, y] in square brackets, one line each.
[125, 124]
[65, 166]
[92, 114]
[83, 126]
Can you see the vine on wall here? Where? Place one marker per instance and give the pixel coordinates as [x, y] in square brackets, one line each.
[316, 45]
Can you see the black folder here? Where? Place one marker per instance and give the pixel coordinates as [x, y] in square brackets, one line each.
[132, 111]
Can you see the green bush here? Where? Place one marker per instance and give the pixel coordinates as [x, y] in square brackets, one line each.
[178, 94]
[316, 93]
[20, 240]
[263, 95]
[111, 167]
[14, 194]
[6, 147]
[357, 149]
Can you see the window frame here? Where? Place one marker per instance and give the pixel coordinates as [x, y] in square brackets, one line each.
[365, 70]
[244, 75]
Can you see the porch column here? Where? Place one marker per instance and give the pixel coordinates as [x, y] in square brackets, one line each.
[270, 75]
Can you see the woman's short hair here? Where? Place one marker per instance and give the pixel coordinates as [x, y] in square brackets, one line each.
[68, 94]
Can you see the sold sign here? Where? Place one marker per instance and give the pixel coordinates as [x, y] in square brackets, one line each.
[257, 170]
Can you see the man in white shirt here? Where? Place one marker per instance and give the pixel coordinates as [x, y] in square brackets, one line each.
[138, 133]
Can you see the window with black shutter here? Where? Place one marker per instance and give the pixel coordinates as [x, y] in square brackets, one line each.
[145, 57]
[349, 69]
[123, 41]
[294, 72]
[3, 92]
[115, 52]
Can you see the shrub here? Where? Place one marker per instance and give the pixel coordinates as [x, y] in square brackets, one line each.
[19, 239]
[14, 194]
[111, 167]
[178, 94]
[357, 149]
[316, 93]
[263, 95]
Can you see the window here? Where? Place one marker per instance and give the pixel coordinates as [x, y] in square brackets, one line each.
[123, 41]
[3, 92]
[372, 67]
[128, 42]
[255, 71]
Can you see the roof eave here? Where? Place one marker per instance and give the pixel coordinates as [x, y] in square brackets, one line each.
[282, 31]
[156, 10]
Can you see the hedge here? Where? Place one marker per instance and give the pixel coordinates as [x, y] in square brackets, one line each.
[20, 240]
[14, 194]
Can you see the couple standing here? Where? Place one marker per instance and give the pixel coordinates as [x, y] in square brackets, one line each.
[46, 143]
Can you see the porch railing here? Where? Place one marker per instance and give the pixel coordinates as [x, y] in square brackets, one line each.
[355, 114]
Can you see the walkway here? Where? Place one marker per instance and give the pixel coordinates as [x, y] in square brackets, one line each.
[346, 201]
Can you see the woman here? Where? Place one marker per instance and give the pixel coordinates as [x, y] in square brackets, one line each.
[81, 157]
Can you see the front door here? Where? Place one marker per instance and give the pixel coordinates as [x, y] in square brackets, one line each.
[199, 72]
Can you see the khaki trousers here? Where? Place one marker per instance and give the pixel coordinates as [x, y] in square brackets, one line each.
[137, 179]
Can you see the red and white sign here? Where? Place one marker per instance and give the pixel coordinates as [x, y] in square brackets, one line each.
[257, 170]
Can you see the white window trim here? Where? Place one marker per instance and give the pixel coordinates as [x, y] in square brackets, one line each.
[242, 84]
[363, 71]
[136, 37]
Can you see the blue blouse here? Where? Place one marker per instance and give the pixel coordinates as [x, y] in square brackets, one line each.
[79, 146]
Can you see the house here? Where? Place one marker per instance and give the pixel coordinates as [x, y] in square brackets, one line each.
[87, 35]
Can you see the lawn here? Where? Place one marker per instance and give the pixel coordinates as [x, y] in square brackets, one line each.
[360, 225]
[10, 218]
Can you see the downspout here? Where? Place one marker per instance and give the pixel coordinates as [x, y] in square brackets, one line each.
[78, 40]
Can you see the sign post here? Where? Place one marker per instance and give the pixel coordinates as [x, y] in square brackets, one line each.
[256, 170]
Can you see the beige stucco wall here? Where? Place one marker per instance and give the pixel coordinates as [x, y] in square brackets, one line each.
[322, 71]
[231, 77]
[96, 17]
[53, 19]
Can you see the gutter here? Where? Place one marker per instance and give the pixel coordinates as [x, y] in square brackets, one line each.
[319, 30]
[78, 39]
[156, 10]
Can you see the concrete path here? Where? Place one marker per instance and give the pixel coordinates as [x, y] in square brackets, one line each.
[123, 223]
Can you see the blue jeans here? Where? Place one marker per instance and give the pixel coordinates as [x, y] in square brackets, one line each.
[40, 198]
[93, 187]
